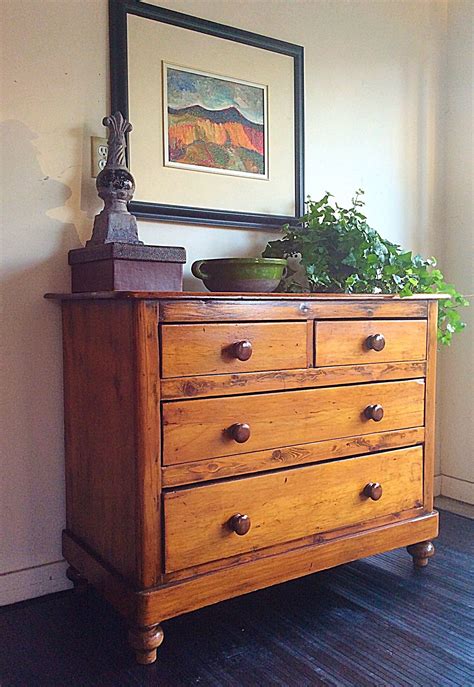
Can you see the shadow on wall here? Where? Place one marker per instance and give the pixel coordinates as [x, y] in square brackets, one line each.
[33, 258]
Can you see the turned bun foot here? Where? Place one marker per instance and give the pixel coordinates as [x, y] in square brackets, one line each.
[145, 641]
[421, 553]
[79, 581]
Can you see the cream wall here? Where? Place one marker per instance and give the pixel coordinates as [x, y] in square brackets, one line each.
[53, 94]
[456, 417]
[374, 116]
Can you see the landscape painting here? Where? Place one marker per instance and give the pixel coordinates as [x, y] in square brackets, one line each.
[214, 123]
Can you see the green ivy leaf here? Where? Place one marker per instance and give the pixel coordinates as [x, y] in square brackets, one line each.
[339, 252]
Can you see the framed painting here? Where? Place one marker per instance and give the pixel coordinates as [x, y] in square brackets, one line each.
[217, 116]
[214, 124]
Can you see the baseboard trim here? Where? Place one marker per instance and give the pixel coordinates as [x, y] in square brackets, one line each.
[457, 489]
[28, 583]
[457, 507]
[437, 486]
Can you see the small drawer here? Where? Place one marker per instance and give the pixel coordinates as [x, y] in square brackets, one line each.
[369, 341]
[216, 521]
[201, 349]
[211, 427]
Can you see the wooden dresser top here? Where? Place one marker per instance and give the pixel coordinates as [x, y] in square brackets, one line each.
[206, 295]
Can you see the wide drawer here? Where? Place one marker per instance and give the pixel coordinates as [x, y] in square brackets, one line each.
[211, 427]
[287, 505]
[369, 341]
[198, 349]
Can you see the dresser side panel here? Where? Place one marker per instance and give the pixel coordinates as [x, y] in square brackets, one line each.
[430, 403]
[100, 437]
[148, 440]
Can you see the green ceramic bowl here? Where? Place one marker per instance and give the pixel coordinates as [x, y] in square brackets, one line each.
[240, 274]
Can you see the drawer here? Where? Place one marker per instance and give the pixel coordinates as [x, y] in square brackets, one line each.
[369, 341]
[199, 349]
[286, 505]
[212, 427]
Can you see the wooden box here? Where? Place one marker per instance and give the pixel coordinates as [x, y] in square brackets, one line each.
[127, 267]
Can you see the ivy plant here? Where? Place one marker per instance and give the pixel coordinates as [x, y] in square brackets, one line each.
[337, 251]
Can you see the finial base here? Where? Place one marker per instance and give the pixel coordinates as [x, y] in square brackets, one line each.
[127, 267]
[114, 227]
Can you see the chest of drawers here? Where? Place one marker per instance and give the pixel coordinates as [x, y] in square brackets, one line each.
[219, 444]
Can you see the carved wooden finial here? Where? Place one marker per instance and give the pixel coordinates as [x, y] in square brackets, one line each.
[118, 127]
[115, 185]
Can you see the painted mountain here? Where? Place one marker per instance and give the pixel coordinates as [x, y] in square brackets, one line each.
[210, 137]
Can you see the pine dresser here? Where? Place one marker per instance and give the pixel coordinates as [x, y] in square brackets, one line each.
[217, 444]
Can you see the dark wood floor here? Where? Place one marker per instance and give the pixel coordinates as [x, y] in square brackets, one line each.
[373, 622]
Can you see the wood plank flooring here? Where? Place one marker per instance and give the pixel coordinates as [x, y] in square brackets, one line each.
[373, 623]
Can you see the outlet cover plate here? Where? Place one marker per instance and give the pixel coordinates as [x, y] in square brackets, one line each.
[99, 150]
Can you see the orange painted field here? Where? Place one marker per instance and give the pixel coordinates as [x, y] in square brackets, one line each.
[196, 138]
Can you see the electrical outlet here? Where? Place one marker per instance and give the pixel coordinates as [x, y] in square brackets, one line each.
[99, 150]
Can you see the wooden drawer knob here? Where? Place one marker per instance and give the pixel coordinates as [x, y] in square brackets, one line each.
[374, 412]
[242, 350]
[240, 432]
[240, 524]
[376, 342]
[373, 490]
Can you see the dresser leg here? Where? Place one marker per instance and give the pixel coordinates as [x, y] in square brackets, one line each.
[79, 581]
[145, 641]
[421, 553]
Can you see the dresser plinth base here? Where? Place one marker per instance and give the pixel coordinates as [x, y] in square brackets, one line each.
[145, 609]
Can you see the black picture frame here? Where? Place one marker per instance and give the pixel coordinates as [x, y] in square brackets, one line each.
[118, 12]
